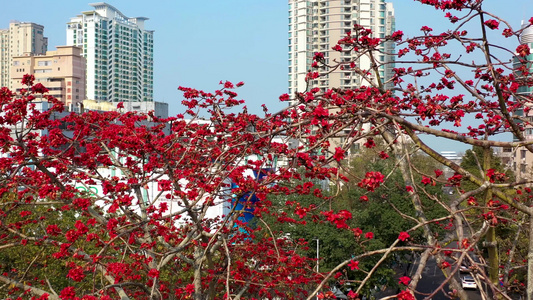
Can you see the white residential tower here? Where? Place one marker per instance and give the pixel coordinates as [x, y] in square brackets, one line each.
[119, 53]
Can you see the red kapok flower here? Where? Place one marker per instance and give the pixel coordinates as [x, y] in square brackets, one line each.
[522, 50]
[357, 232]
[76, 274]
[39, 89]
[53, 230]
[371, 181]
[28, 79]
[427, 180]
[397, 35]
[444, 265]
[369, 235]
[405, 295]
[404, 280]
[68, 293]
[403, 236]
[370, 143]
[339, 154]
[465, 243]
[153, 273]
[352, 295]
[25, 213]
[492, 24]
[353, 265]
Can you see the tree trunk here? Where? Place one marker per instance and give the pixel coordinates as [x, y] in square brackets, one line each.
[197, 281]
[491, 243]
[529, 290]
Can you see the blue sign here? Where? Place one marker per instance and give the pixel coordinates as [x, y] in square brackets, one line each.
[246, 203]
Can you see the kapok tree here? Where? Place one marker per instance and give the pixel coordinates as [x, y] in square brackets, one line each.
[118, 205]
[435, 88]
[105, 205]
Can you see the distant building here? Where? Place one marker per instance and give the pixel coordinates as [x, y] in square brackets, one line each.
[119, 53]
[62, 72]
[452, 155]
[506, 155]
[317, 25]
[22, 38]
[455, 157]
[523, 159]
[160, 109]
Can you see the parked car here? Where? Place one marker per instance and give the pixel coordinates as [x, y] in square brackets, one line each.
[464, 267]
[468, 282]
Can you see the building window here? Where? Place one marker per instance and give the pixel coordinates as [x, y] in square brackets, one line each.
[44, 63]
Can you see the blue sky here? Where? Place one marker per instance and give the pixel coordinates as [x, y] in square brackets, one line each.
[199, 43]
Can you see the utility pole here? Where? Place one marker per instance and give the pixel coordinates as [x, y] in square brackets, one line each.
[317, 254]
[317, 259]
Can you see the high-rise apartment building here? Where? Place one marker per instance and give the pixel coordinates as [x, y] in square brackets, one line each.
[119, 53]
[317, 25]
[22, 38]
[61, 71]
[522, 162]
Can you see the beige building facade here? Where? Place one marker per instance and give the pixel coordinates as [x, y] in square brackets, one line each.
[61, 71]
[22, 38]
[520, 160]
[317, 25]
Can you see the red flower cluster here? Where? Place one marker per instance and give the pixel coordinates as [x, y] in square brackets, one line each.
[76, 274]
[492, 24]
[405, 295]
[339, 154]
[404, 280]
[354, 265]
[523, 50]
[403, 236]
[371, 181]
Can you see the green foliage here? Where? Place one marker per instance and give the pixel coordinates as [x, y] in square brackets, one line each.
[381, 215]
[473, 161]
